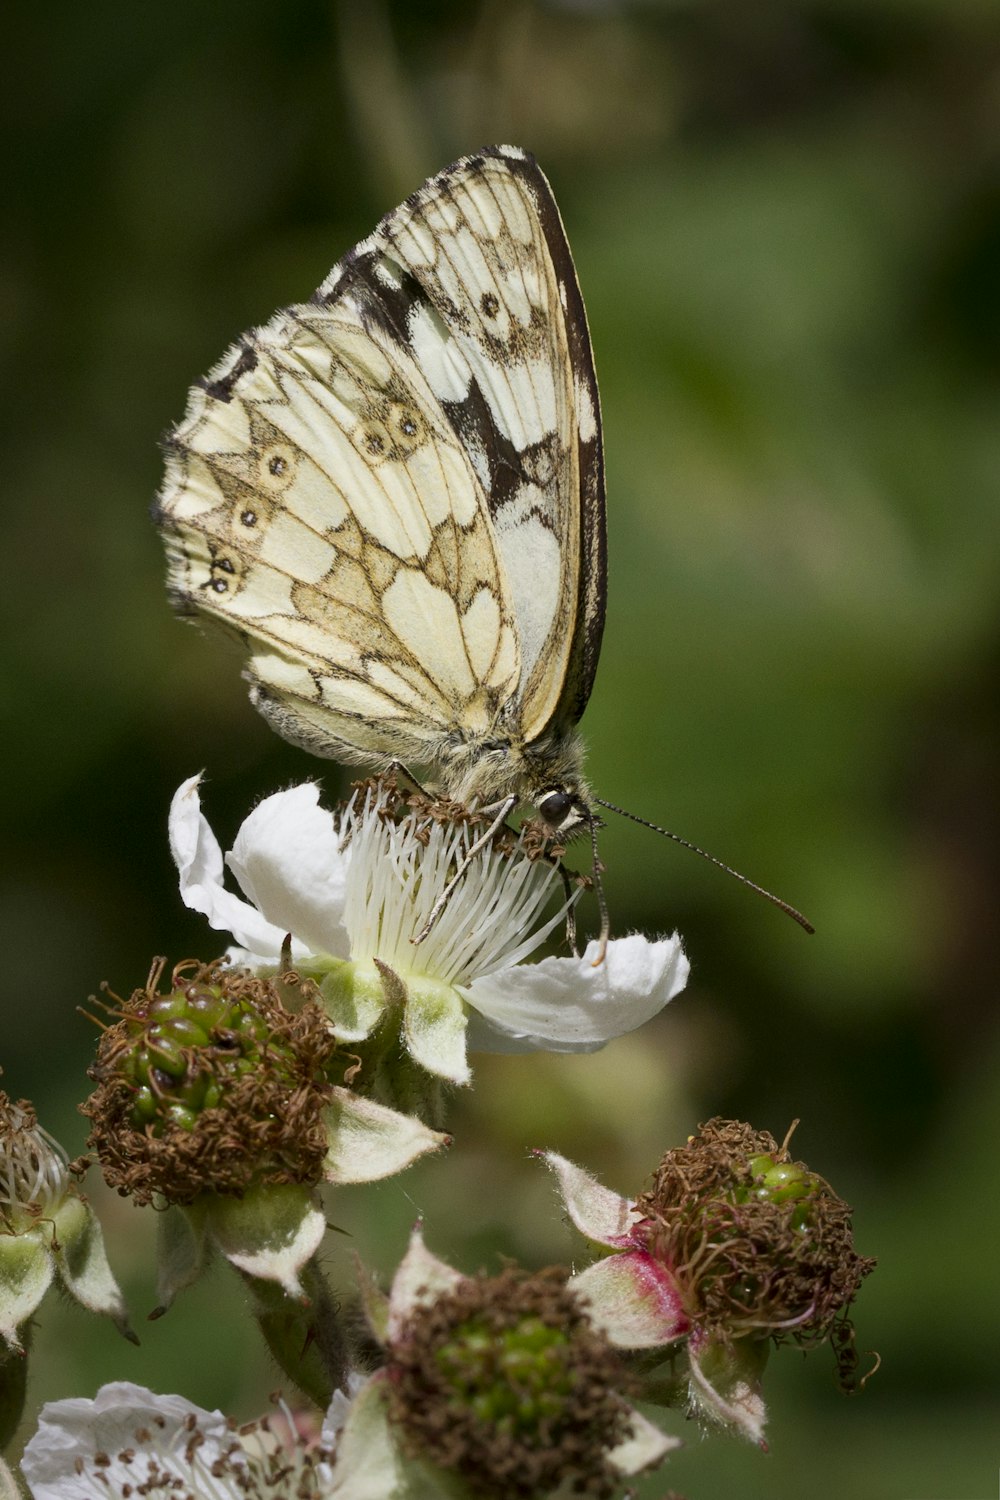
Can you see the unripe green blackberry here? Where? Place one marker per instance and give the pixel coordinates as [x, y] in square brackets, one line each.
[504, 1382]
[757, 1244]
[186, 1046]
[214, 1086]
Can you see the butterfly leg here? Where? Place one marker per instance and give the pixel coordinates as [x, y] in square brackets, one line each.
[570, 911]
[506, 807]
[396, 768]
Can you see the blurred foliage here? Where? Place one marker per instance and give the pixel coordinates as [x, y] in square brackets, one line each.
[786, 220]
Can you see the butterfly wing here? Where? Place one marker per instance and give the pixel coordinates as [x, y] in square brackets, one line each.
[393, 494]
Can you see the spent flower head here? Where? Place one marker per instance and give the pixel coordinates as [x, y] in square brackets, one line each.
[758, 1244]
[214, 1099]
[736, 1248]
[47, 1229]
[355, 894]
[493, 1386]
[213, 1086]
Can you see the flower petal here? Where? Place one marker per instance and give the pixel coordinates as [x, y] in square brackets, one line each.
[603, 1216]
[198, 858]
[644, 1448]
[633, 1300]
[369, 1140]
[288, 860]
[71, 1433]
[569, 1005]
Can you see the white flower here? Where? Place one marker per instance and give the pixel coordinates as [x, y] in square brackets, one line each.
[353, 896]
[129, 1441]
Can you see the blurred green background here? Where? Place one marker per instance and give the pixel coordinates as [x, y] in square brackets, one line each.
[786, 222]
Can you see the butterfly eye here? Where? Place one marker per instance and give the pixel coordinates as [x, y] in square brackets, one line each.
[554, 806]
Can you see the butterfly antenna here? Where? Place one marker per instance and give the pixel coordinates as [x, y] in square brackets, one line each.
[602, 900]
[784, 906]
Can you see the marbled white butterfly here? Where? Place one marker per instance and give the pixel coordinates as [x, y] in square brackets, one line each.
[393, 494]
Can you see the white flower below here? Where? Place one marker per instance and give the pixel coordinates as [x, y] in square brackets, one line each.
[129, 1441]
[354, 896]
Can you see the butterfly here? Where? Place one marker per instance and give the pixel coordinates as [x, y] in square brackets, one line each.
[393, 496]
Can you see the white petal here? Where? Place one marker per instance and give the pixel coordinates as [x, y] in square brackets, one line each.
[198, 858]
[287, 859]
[569, 1005]
[340, 1406]
[78, 1429]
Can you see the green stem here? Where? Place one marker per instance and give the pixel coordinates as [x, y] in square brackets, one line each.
[13, 1385]
[390, 1076]
[306, 1338]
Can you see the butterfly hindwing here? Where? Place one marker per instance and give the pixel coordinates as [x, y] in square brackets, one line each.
[393, 494]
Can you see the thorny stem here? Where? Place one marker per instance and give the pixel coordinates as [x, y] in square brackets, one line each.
[306, 1338]
[13, 1386]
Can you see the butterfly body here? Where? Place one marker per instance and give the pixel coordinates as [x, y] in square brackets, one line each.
[393, 496]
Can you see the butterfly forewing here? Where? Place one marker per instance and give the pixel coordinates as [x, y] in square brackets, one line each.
[394, 494]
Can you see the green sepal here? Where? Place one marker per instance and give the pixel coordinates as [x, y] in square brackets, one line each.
[83, 1264]
[271, 1232]
[354, 999]
[182, 1249]
[26, 1270]
[304, 1337]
